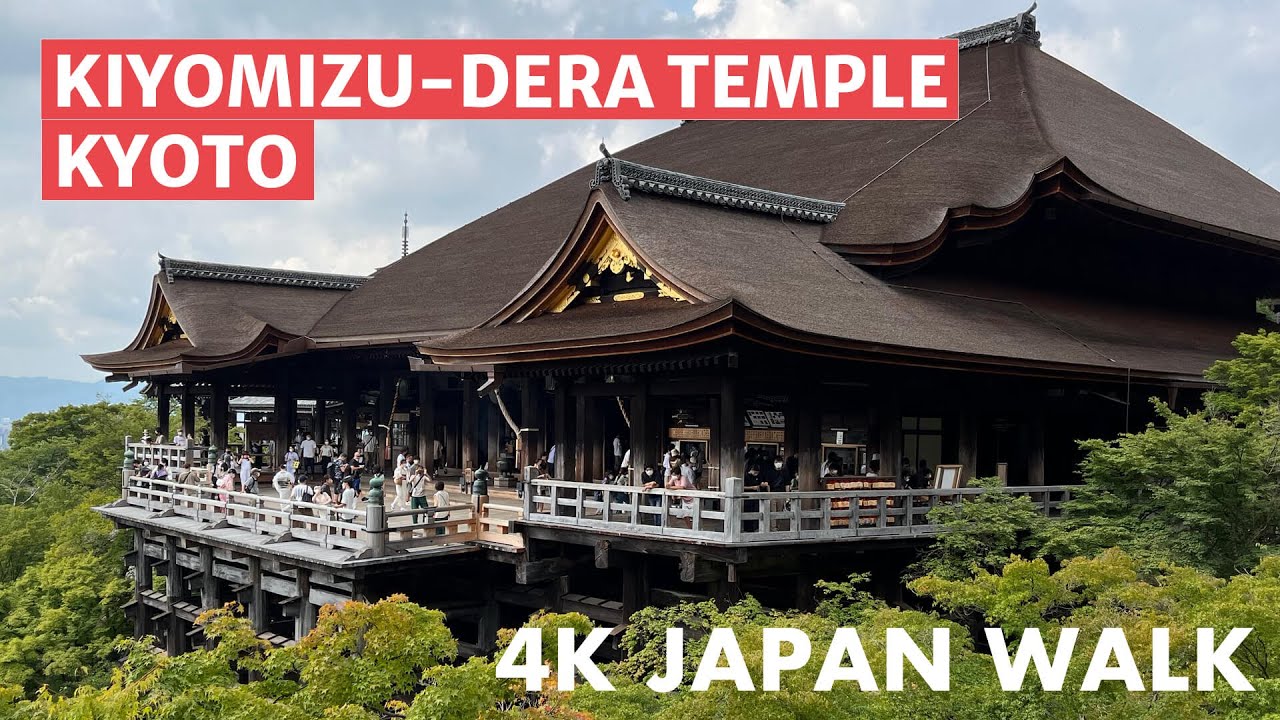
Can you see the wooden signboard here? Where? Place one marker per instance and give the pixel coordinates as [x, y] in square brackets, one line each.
[759, 435]
[689, 433]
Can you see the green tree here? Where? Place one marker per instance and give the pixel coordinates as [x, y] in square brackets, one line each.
[982, 532]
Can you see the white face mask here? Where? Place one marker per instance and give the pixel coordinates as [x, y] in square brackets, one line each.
[777, 466]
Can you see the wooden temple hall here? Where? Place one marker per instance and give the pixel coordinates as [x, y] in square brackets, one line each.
[849, 297]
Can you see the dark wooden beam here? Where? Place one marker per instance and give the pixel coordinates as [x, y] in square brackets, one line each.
[426, 420]
[470, 423]
[732, 436]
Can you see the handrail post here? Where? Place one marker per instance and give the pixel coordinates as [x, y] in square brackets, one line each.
[375, 518]
[127, 468]
[732, 489]
[527, 500]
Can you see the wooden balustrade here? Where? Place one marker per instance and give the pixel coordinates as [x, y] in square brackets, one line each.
[367, 530]
[736, 516]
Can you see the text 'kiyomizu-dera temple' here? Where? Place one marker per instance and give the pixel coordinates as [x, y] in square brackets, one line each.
[836, 325]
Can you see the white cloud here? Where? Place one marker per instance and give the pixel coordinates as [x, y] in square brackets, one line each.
[706, 8]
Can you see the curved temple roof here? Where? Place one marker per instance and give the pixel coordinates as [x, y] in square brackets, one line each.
[830, 197]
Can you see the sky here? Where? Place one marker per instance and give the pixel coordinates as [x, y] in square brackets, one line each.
[75, 276]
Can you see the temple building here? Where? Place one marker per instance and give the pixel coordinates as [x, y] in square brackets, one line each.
[977, 295]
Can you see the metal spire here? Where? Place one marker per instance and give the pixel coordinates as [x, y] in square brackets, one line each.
[404, 237]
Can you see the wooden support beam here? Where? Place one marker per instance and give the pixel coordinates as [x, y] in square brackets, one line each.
[426, 420]
[209, 595]
[487, 627]
[641, 453]
[218, 415]
[350, 404]
[696, 569]
[602, 554]
[565, 456]
[141, 581]
[532, 572]
[889, 416]
[162, 409]
[470, 423]
[967, 431]
[581, 439]
[283, 409]
[1035, 447]
[808, 422]
[305, 621]
[493, 433]
[188, 412]
[258, 616]
[732, 436]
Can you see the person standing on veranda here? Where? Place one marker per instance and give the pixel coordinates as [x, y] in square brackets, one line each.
[440, 500]
[418, 492]
[283, 481]
[309, 451]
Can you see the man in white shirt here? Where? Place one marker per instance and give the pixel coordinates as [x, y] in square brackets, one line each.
[180, 440]
[309, 449]
[301, 493]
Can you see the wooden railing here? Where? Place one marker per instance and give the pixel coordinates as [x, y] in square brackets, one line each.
[733, 516]
[367, 532]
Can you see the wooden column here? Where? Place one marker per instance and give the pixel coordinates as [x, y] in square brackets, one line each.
[257, 596]
[386, 406]
[889, 415]
[641, 453]
[564, 449]
[426, 420]
[162, 409]
[218, 415]
[174, 638]
[305, 622]
[188, 412]
[493, 433]
[350, 403]
[281, 410]
[808, 421]
[1035, 448]
[531, 441]
[141, 582]
[581, 439]
[732, 437]
[321, 424]
[967, 430]
[470, 423]
[209, 596]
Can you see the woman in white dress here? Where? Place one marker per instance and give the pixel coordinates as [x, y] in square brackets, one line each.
[401, 501]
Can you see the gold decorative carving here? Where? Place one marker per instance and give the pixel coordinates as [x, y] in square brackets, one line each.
[623, 297]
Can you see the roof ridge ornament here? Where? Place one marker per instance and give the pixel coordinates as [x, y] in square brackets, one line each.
[174, 269]
[626, 176]
[1019, 28]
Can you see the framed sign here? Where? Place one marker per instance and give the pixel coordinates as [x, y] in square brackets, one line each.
[689, 433]
[947, 477]
[758, 435]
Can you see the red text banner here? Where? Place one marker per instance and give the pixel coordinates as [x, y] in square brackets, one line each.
[177, 160]
[500, 79]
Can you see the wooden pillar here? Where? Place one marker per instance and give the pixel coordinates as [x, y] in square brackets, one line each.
[305, 622]
[173, 636]
[1035, 448]
[732, 437]
[641, 453]
[488, 626]
[530, 441]
[564, 449]
[470, 423]
[141, 582]
[282, 411]
[808, 421]
[493, 433]
[162, 409]
[321, 425]
[426, 420]
[890, 418]
[209, 596]
[967, 430]
[387, 404]
[350, 404]
[218, 415]
[188, 412]
[257, 596]
[581, 438]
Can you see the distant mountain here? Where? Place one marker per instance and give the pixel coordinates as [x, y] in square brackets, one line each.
[22, 395]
